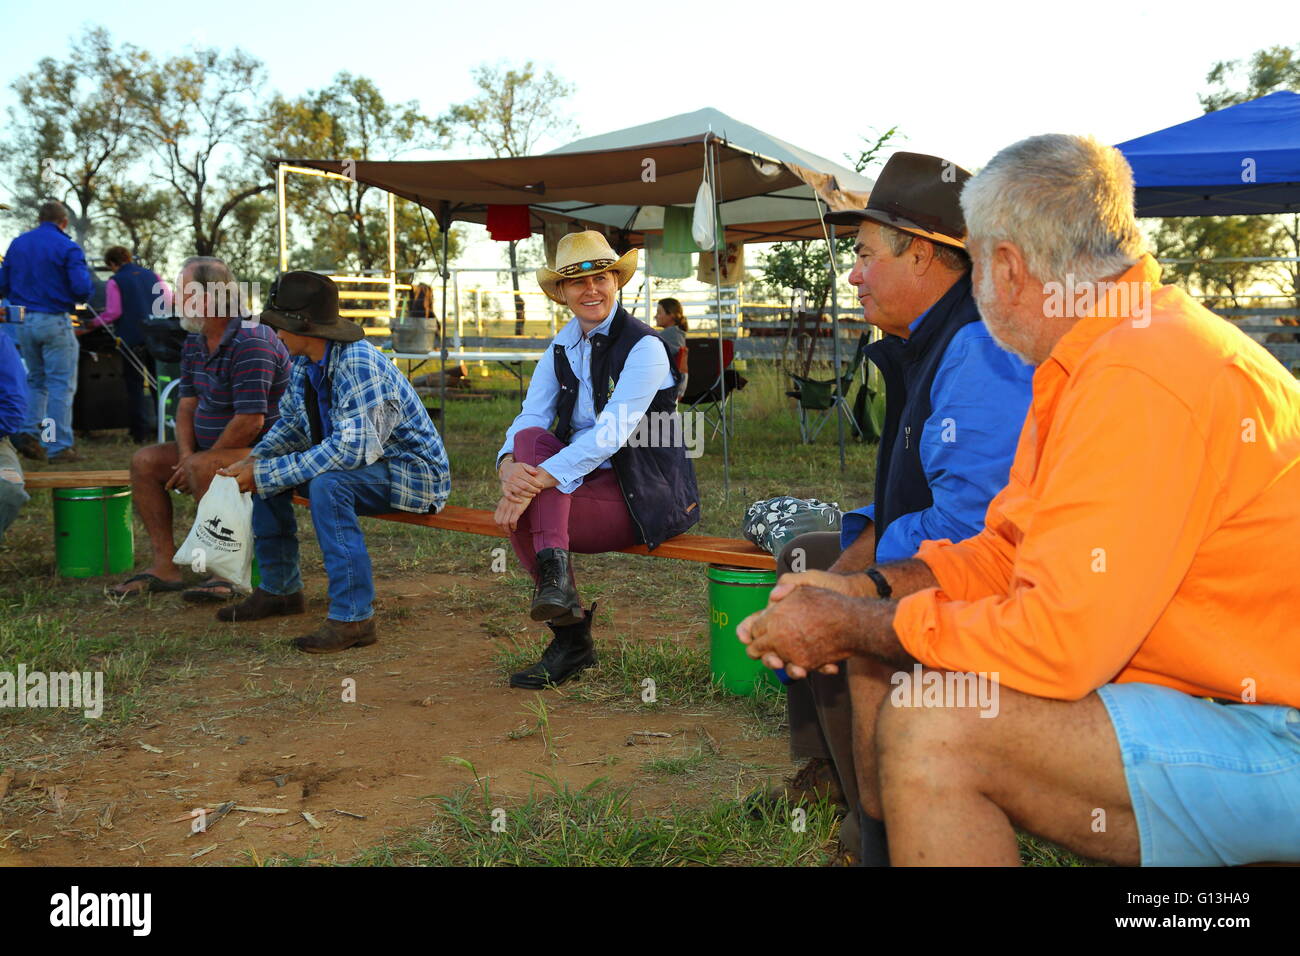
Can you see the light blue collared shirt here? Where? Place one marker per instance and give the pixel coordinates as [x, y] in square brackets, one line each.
[595, 437]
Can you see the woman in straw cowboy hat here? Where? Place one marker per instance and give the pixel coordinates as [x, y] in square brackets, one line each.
[614, 472]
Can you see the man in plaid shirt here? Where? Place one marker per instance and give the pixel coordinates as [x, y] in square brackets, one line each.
[352, 436]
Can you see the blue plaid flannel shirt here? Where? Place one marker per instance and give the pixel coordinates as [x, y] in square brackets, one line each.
[375, 414]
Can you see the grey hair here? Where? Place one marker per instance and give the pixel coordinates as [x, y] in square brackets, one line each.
[214, 278]
[51, 211]
[1066, 201]
[899, 242]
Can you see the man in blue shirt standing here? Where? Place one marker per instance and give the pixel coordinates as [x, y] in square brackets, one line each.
[954, 406]
[45, 272]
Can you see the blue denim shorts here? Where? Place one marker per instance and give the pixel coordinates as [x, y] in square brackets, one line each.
[1211, 784]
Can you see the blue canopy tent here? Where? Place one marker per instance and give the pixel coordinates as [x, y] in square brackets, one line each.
[1240, 160]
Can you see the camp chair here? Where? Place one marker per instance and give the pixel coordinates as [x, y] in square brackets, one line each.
[824, 397]
[706, 378]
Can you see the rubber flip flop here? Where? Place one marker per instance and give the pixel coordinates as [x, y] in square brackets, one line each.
[153, 585]
[212, 591]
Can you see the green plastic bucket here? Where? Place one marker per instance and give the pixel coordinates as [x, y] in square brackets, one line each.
[734, 594]
[92, 531]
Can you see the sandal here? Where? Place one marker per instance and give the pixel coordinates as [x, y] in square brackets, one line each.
[152, 585]
[211, 591]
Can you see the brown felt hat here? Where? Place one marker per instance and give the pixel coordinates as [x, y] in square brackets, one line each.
[307, 303]
[918, 194]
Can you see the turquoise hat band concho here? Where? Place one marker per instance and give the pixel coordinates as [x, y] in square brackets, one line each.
[585, 266]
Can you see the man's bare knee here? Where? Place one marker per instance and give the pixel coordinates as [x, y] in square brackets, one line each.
[154, 462]
[199, 471]
[920, 732]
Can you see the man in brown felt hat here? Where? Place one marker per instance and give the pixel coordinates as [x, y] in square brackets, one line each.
[955, 403]
[353, 437]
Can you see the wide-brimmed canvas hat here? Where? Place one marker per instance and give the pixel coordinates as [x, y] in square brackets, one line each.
[918, 194]
[584, 254]
[307, 303]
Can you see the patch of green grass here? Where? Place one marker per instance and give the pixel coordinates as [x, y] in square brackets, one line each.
[679, 669]
[1038, 852]
[678, 766]
[597, 826]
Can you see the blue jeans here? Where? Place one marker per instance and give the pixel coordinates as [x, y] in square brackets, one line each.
[49, 348]
[337, 498]
[12, 493]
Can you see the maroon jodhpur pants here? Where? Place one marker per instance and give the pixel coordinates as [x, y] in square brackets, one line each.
[592, 520]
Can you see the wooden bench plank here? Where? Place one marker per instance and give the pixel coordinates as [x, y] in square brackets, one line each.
[684, 547]
[76, 479]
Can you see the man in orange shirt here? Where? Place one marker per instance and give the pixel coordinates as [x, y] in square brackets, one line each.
[1128, 571]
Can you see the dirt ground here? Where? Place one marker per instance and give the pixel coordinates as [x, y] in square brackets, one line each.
[271, 729]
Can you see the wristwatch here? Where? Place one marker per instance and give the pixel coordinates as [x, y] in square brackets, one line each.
[883, 589]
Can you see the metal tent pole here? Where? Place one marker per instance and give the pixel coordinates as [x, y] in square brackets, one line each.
[835, 340]
[829, 236]
[444, 222]
[392, 259]
[711, 169]
[280, 204]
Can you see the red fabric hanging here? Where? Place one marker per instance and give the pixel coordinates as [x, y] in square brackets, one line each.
[508, 223]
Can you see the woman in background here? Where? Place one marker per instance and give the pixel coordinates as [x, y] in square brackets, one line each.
[672, 329]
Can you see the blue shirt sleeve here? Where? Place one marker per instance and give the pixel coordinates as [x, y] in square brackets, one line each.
[13, 388]
[979, 399]
[79, 280]
[539, 403]
[853, 523]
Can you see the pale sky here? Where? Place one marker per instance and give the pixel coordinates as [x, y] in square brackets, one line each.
[961, 80]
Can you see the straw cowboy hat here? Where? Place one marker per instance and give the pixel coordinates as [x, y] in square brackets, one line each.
[307, 303]
[917, 194]
[584, 254]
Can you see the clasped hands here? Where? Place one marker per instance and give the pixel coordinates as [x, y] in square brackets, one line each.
[812, 621]
[520, 484]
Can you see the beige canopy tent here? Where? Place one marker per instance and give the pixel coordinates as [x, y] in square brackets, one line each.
[767, 189]
[764, 188]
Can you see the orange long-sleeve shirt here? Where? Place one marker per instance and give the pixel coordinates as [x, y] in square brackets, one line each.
[1150, 530]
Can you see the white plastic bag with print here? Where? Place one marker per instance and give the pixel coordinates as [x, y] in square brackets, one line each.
[220, 544]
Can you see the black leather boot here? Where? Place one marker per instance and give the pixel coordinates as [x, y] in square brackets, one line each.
[555, 599]
[570, 651]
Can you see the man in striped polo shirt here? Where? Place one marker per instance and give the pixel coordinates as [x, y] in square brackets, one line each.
[232, 376]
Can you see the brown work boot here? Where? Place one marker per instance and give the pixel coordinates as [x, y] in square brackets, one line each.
[27, 446]
[814, 782]
[334, 636]
[262, 604]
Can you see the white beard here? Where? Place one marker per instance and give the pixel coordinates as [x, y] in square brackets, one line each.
[191, 324]
[987, 304]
